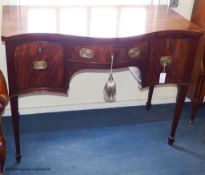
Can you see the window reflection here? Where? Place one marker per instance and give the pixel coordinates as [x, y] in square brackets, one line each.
[87, 2]
[103, 22]
[132, 21]
[92, 21]
[73, 21]
[42, 20]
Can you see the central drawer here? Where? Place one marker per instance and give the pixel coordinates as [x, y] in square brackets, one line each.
[101, 53]
[39, 64]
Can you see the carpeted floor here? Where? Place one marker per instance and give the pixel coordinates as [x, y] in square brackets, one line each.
[120, 141]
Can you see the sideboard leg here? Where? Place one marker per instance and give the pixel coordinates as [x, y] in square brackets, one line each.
[149, 99]
[182, 91]
[197, 101]
[2, 166]
[194, 108]
[15, 123]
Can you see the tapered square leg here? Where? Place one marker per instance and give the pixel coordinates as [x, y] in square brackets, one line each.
[182, 91]
[149, 99]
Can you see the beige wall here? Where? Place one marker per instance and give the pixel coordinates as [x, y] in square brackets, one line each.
[185, 8]
[86, 88]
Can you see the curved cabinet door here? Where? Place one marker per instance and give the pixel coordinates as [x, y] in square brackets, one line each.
[39, 65]
[174, 51]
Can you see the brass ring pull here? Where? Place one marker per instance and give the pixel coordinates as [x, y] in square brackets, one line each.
[40, 65]
[165, 60]
[87, 53]
[134, 52]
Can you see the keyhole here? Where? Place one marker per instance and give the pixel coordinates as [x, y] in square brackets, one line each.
[40, 49]
[167, 44]
[164, 67]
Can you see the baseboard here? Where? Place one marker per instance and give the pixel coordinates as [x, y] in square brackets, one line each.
[60, 108]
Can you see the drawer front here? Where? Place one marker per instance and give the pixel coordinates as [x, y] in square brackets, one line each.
[101, 54]
[170, 56]
[39, 65]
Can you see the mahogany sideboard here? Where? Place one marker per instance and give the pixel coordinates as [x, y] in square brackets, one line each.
[42, 54]
[196, 91]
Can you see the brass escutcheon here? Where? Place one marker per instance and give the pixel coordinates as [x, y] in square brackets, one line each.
[165, 60]
[87, 53]
[40, 65]
[134, 52]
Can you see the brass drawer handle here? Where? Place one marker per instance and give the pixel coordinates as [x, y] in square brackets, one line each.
[87, 53]
[134, 52]
[40, 65]
[165, 60]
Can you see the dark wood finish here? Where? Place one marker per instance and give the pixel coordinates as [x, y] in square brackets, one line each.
[3, 103]
[144, 20]
[28, 77]
[149, 99]
[177, 49]
[59, 55]
[179, 105]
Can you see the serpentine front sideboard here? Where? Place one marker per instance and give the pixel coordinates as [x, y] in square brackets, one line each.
[45, 46]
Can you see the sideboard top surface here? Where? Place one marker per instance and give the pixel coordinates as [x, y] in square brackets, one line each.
[93, 21]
